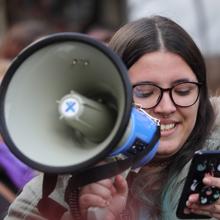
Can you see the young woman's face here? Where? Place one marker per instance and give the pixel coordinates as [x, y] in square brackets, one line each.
[166, 69]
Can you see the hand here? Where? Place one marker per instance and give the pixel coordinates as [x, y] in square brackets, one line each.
[109, 194]
[212, 210]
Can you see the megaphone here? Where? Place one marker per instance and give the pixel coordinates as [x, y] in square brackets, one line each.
[66, 104]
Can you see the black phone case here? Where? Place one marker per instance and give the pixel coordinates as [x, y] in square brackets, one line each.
[203, 162]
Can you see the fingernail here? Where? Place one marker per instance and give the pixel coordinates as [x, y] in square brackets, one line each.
[187, 203]
[190, 199]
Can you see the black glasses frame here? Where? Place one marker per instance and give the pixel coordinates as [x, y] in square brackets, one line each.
[162, 90]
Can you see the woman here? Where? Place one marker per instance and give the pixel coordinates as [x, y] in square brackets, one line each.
[161, 58]
[160, 55]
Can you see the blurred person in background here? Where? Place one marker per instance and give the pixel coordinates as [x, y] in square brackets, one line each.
[100, 33]
[20, 35]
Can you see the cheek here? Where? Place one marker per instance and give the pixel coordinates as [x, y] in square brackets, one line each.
[169, 145]
[189, 117]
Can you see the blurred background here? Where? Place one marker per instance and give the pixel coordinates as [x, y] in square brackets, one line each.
[22, 21]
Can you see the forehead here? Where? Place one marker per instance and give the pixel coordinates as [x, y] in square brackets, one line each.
[160, 67]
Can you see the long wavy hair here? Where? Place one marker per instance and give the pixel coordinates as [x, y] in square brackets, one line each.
[156, 33]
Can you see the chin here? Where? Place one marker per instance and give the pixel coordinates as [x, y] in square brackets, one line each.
[166, 151]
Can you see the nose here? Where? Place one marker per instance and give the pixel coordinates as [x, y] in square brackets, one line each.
[166, 105]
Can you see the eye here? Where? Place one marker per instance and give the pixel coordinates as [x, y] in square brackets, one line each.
[182, 92]
[184, 89]
[145, 91]
[143, 94]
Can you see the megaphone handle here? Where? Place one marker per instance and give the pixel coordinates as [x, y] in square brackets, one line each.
[97, 213]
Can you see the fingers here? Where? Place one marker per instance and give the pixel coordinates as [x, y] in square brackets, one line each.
[212, 210]
[193, 199]
[90, 200]
[121, 185]
[104, 191]
[194, 207]
[109, 184]
[209, 210]
[211, 181]
[96, 194]
[107, 188]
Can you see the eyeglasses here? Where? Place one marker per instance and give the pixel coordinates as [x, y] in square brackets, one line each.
[183, 94]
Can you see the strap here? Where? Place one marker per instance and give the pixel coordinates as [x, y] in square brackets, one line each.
[72, 199]
[49, 208]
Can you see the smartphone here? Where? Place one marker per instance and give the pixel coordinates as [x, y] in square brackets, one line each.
[203, 162]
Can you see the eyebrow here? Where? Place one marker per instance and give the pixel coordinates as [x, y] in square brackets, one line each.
[182, 80]
[173, 83]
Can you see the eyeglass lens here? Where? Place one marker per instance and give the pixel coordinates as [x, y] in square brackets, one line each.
[149, 95]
